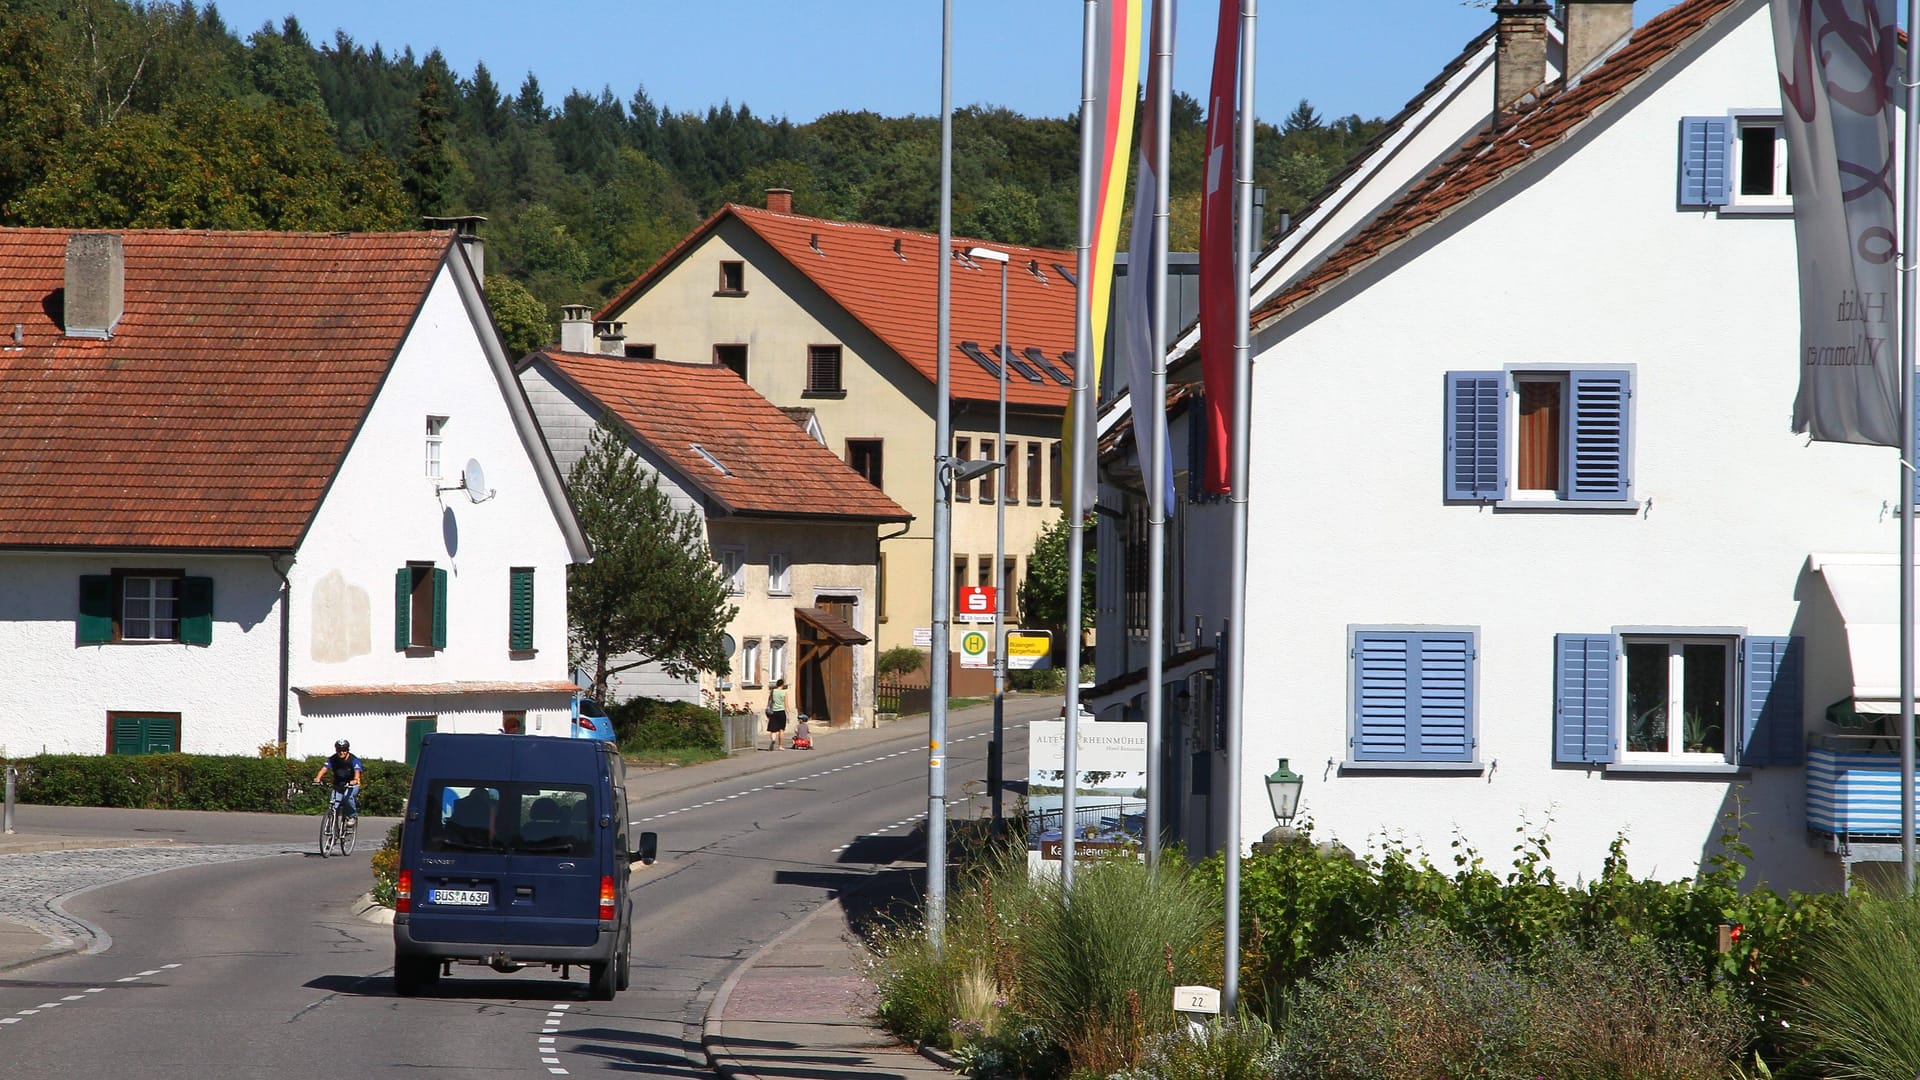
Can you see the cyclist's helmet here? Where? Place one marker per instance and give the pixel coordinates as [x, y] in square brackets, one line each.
[342, 745]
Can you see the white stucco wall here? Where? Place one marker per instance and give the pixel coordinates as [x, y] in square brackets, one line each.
[383, 512]
[57, 694]
[1588, 262]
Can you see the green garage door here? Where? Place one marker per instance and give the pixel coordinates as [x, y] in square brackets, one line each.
[417, 729]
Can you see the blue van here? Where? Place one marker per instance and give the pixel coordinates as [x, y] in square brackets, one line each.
[515, 852]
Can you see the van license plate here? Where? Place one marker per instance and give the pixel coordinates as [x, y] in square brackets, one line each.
[462, 897]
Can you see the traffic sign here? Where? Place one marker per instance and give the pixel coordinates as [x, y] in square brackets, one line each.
[1029, 650]
[976, 603]
[973, 649]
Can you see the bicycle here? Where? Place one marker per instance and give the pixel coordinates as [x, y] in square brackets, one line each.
[337, 831]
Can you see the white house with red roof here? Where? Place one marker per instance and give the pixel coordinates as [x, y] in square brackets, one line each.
[841, 317]
[1532, 546]
[797, 530]
[262, 488]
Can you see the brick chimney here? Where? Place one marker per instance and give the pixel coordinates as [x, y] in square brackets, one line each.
[1520, 50]
[612, 337]
[96, 293]
[780, 200]
[1593, 27]
[466, 229]
[576, 328]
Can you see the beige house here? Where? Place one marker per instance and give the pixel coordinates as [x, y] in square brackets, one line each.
[797, 531]
[841, 318]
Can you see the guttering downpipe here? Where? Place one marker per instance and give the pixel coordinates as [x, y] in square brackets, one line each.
[286, 635]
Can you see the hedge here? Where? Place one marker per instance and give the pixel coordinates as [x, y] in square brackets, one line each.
[646, 725]
[200, 782]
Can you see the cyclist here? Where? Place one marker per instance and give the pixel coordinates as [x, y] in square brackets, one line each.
[346, 777]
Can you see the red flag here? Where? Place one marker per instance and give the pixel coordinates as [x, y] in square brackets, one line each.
[1217, 281]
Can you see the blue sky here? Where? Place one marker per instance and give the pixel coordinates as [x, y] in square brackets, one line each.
[801, 58]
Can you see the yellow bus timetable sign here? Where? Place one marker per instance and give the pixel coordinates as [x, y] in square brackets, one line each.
[1029, 650]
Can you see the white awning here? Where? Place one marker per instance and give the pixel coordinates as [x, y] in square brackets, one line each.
[1866, 588]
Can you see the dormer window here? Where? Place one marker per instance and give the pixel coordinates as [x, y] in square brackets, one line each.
[436, 428]
[733, 278]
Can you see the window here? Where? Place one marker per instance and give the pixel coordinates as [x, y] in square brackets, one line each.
[420, 607]
[513, 722]
[1053, 472]
[733, 278]
[988, 481]
[640, 352]
[436, 430]
[733, 563]
[777, 659]
[1010, 588]
[520, 609]
[985, 578]
[1541, 436]
[1736, 163]
[962, 451]
[1034, 450]
[750, 662]
[731, 357]
[779, 574]
[1010, 478]
[132, 606]
[823, 371]
[518, 818]
[863, 455]
[143, 733]
[962, 574]
[1134, 547]
[1686, 698]
[1413, 695]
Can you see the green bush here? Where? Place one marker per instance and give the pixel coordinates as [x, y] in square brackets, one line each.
[200, 782]
[1223, 1050]
[1045, 680]
[386, 868]
[649, 725]
[899, 660]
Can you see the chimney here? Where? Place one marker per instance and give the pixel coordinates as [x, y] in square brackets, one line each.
[1520, 50]
[96, 293]
[466, 229]
[612, 337]
[780, 200]
[1593, 27]
[576, 328]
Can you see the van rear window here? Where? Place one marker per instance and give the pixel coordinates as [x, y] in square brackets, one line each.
[510, 819]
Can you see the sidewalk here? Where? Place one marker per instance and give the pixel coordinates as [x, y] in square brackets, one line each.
[800, 1007]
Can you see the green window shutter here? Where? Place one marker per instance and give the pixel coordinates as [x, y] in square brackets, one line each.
[439, 608]
[96, 609]
[163, 737]
[418, 728]
[402, 609]
[196, 611]
[129, 735]
[520, 620]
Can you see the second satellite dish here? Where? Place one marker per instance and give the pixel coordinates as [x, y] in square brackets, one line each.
[475, 482]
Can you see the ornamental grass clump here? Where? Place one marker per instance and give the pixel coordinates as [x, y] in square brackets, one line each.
[1607, 1007]
[1856, 1009]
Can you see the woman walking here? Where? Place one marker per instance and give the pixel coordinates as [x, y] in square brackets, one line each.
[776, 713]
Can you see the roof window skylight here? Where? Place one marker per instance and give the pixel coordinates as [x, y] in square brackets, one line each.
[711, 460]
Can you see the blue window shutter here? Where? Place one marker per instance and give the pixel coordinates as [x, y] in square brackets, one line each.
[1706, 160]
[97, 596]
[196, 611]
[439, 608]
[402, 608]
[1476, 439]
[1413, 697]
[1772, 697]
[1597, 439]
[1583, 697]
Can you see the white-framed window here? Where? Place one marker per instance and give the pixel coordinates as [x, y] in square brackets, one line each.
[779, 574]
[750, 662]
[733, 563]
[1761, 180]
[777, 659]
[1540, 435]
[1735, 163]
[436, 434]
[148, 608]
[1705, 698]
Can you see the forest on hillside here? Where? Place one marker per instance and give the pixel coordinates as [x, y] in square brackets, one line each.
[157, 114]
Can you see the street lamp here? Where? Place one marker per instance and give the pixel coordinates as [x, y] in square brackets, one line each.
[995, 751]
[1283, 791]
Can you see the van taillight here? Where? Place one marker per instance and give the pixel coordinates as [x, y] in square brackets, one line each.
[403, 892]
[606, 899]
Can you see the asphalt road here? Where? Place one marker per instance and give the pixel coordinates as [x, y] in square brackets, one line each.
[259, 967]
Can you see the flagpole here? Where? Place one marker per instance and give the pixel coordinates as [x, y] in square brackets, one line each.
[942, 516]
[1237, 559]
[1161, 79]
[1082, 403]
[1909, 217]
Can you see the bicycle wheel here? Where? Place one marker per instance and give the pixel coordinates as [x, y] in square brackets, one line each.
[349, 829]
[326, 832]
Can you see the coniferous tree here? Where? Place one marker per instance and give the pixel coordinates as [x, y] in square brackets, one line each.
[430, 177]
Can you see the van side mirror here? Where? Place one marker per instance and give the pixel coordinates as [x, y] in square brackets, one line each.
[648, 850]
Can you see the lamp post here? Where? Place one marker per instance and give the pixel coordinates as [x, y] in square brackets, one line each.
[996, 752]
[942, 516]
[1283, 793]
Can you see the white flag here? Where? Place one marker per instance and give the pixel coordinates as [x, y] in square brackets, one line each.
[1837, 89]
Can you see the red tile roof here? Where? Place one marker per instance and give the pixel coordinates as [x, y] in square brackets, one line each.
[217, 414]
[895, 294]
[773, 467]
[1488, 157]
[440, 689]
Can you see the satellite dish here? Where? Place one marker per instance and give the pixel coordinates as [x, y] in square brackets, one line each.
[475, 482]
